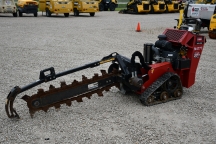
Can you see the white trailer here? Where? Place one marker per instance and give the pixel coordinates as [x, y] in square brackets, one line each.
[193, 17]
[197, 16]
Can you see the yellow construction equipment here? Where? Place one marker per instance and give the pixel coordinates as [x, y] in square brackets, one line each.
[137, 6]
[27, 6]
[181, 16]
[206, 2]
[85, 6]
[157, 6]
[105, 5]
[56, 7]
[145, 6]
[172, 5]
[212, 27]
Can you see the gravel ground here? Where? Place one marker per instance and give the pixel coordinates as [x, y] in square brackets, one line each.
[30, 44]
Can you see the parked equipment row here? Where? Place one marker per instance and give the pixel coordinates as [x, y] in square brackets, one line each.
[151, 6]
[49, 7]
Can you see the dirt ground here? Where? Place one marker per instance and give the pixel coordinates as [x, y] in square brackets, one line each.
[30, 44]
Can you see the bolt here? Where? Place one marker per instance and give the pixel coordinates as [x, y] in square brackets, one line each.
[36, 103]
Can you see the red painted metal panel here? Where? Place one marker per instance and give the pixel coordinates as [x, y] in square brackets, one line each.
[194, 44]
[156, 71]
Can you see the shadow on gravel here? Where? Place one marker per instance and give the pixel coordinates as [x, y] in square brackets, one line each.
[7, 16]
[62, 16]
[83, 16]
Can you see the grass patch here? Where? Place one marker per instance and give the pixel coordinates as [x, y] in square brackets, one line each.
[118, 9]
[122, 5]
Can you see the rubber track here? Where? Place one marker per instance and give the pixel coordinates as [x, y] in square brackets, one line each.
[157, 84]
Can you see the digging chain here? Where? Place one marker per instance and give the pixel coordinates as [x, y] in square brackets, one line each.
[75, 91]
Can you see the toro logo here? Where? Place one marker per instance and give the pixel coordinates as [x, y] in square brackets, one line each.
[195, 9]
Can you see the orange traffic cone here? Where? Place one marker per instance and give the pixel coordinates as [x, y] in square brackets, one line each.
[138, 27]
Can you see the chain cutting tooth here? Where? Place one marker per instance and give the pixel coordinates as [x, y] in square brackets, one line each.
[57, 106]
[100, 93]
[25, 98]
[63, 84]
[89, 96]
[79, 99]
[51, 87]
[103, 72]
[68, 103]
[40, 91]
[95, 76]
[84, 78]
[107, 89]
[45, 109]
[75, 82]
[31, 113]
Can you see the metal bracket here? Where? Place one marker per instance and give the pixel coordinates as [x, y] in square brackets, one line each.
[48, 77]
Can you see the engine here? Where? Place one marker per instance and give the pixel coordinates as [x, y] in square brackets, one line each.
[164, 51]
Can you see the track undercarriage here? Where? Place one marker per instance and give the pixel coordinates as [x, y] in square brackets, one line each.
[168, 87]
